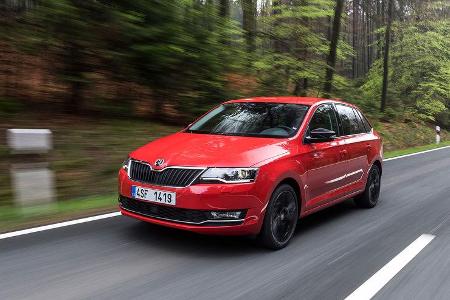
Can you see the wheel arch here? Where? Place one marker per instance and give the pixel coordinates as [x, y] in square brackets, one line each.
[296, 186]
[379, 165]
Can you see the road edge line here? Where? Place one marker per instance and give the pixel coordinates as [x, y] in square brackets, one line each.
[415, 153]
[58, 225]
[378, 280]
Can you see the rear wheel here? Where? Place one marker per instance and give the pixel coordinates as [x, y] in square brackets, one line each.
[280, 219]
[369, 198]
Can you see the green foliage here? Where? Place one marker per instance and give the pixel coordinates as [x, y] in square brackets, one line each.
[419, 70]
[183, 53]
[298, 47]
[177, 49]
[181, 50]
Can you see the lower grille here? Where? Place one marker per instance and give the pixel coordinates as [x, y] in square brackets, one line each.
[174, 214]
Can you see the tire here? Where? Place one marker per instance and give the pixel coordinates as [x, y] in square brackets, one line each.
[280, 219]
[369, 198]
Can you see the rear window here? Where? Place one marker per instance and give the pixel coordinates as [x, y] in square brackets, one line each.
[364, 121]
[350, 122]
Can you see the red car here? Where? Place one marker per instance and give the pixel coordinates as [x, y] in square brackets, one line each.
[254, 167]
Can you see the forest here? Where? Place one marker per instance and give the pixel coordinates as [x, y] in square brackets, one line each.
[171, 60]
[108, 76]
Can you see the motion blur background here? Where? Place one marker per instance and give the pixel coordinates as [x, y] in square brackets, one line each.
[108, 76]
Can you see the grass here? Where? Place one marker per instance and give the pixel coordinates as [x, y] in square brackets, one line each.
[411, 150]
[87, 152]
[399, 135]
[14, 218]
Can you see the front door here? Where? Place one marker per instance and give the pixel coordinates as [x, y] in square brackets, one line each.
[325, 161]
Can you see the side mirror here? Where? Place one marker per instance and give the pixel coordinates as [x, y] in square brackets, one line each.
[320, 135]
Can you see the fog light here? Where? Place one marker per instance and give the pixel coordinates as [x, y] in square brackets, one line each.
[226, 215]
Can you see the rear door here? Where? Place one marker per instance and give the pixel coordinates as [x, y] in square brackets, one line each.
[323, 161]
[356, 151]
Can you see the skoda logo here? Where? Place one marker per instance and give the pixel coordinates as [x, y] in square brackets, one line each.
[159, 162]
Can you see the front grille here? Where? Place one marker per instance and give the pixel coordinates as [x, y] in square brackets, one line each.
[177, 177]
[175, 214]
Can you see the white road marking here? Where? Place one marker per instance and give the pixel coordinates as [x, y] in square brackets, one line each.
[57, 225]
[417, 153]
[115, 214]
[378, 280]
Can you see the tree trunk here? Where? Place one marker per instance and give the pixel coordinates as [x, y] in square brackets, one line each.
[249, 23]
[301, 87]
[74, 71]
[378, 26]
[277, 46]
[224, 8]
[387, 39]
[331, 61]
[354, 39]
[74, 101]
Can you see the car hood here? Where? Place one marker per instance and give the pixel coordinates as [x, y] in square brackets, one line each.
[205, 150]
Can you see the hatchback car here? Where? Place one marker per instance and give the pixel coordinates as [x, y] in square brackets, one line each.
[254, 167]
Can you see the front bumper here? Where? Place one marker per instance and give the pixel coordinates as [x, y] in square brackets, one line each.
[193, 205]
[176, 214]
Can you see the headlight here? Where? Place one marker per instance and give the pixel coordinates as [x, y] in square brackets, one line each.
[229, 175]
[125, 164]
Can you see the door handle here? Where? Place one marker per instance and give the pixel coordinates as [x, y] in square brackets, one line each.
[343, 154]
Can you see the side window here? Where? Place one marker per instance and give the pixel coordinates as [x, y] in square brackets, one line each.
[365, 122]
[324, 117]
[350, 122]
[361, 128]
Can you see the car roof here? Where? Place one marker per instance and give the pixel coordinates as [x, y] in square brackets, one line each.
[287, 99]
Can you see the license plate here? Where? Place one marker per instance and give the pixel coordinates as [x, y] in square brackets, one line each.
[151, 195]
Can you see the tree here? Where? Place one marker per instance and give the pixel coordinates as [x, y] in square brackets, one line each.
[224, 8]
[70, 32]
[387, 42]
[295, 46]
[331, 61]
[418, 64]
[249, 23]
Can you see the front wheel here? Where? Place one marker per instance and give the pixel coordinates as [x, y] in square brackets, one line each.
[369, 198]
[280, 219]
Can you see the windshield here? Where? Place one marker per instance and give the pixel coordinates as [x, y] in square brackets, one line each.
[252, 119]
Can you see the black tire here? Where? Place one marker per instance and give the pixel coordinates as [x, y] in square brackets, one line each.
[369, 198]
[280, 219]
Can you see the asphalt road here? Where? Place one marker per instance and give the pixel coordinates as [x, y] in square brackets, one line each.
[331, 255]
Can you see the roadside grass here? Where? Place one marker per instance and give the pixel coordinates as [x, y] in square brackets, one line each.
[395, 153]
[15, 218]
[87, 152]
[399, 135]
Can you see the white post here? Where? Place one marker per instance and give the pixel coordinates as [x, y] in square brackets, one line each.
[438, 135]
[33, 183]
